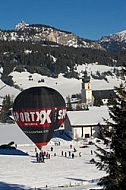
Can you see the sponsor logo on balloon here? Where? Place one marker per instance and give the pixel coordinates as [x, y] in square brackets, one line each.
[39, 117]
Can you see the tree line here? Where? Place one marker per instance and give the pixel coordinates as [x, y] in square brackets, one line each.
[47, 59]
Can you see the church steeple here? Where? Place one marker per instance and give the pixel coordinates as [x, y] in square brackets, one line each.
[85, 78]
[86, 92]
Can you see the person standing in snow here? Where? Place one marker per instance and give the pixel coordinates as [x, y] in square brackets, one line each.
[70, 145]
[72, 155]
[62, 152]
[37, 156]
[42, 156]
[75, 149]
[69, 153]
[79, 154]
[65, 154]
[51, 148]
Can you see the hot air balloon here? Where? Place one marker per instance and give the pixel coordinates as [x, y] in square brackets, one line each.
[39, 112]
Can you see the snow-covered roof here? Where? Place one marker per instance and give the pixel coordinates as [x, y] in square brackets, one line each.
[93, 116]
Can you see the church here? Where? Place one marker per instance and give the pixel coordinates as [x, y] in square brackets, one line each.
[89, 97]
[86, 121]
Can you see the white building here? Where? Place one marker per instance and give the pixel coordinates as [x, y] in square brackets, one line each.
[87, 123]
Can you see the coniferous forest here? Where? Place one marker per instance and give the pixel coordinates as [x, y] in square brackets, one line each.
[47, 60]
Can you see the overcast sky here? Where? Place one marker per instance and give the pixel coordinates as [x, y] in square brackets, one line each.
[89, 19]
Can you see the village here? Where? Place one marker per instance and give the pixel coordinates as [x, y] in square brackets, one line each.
[85, 120]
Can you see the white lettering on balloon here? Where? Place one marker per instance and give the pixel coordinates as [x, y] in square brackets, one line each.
[41, 117]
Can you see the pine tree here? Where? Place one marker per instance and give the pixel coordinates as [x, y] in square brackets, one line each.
[69, 105]
[113, 159]
[6, 105]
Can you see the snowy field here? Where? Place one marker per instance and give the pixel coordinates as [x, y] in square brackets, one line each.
[58, 172]
[65, 86]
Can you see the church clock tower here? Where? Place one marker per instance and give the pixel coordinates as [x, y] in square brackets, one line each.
[86, 91]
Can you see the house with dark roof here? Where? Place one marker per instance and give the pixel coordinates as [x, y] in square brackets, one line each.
[105, 95]
[88, 95]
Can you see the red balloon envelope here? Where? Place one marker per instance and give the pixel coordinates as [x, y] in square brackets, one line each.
[39, 111]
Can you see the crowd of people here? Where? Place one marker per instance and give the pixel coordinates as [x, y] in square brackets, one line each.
[42, 155]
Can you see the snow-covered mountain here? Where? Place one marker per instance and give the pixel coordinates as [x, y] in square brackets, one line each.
[38, 32]
[114, 42]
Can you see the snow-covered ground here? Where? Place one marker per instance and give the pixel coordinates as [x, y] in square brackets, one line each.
[58, 172]
[65, 86]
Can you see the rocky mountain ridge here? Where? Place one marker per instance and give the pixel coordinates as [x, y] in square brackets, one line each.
[38, 33]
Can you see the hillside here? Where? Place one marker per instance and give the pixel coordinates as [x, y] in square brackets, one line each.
[49, 51]
[65, 86]
[42, 55]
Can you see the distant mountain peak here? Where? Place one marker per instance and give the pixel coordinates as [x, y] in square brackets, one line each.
[114, 42]
[121, 35]
[21, 25]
